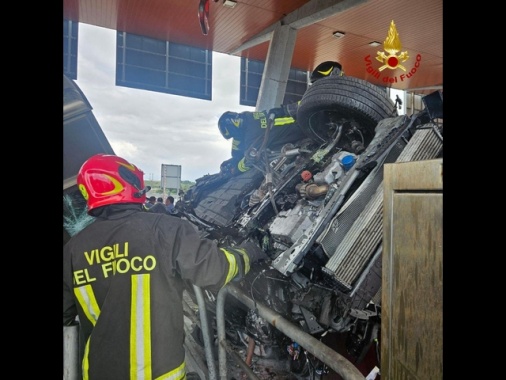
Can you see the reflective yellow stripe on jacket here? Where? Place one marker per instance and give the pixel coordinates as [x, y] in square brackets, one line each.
[233, 268]
[283, 121]
[241, 165]
[178, 373]
[140, 329]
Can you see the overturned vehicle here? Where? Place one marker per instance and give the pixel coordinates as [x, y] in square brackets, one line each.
[315, 208]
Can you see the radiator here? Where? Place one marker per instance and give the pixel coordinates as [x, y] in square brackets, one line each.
[353, 238]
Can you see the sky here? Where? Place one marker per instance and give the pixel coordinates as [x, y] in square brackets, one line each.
[148, 128]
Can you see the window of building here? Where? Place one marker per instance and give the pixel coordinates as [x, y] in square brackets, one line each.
[251, 78]
[163, 66]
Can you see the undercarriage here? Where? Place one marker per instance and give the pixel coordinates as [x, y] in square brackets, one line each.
[315, 207]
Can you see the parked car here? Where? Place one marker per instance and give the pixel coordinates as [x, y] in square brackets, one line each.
[82, 138]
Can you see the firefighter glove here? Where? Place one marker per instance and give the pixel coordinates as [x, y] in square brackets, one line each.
[255, 253]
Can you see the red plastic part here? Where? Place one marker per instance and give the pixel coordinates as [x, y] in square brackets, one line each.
[306, 175]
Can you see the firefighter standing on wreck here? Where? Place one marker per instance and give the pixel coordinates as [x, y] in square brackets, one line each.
[124, 275]
[248, 129]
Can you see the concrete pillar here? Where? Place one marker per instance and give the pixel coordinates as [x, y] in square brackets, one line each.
[277, 67]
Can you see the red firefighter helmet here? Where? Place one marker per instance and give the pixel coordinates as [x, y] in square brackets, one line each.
[106, 179]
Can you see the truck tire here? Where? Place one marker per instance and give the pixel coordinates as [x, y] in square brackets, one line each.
[338, 99]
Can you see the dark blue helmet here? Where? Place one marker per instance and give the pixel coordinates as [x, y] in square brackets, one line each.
[325, 69]
[229, 123]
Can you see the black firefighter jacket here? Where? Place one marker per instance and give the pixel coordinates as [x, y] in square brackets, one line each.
[251, 133]
[123, 276]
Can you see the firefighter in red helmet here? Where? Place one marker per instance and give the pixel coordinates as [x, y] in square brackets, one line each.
[124, 275]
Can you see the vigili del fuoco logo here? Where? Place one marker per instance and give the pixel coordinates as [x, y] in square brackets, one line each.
[392, 58]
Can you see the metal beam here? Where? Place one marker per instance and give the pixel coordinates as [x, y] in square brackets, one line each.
[439, 87]
[310, 13]
[333, 359]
